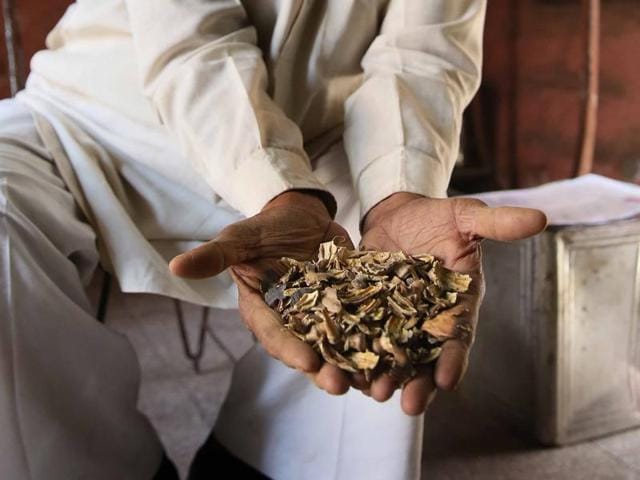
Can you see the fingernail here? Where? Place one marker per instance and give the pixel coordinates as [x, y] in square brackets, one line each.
[173, 261]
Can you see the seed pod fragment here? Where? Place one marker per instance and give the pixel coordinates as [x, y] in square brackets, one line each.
[371, 312]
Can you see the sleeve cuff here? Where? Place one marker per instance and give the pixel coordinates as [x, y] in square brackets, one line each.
[402, 170]
[266, 174]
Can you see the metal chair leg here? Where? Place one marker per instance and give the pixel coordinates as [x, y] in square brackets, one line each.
[196, 354]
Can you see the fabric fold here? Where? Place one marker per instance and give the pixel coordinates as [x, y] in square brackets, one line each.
[202, 70]
[403, 123]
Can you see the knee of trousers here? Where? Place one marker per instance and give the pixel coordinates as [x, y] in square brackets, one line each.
[39, 214]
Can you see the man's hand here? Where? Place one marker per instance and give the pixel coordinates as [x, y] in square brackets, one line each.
[450, 229]
[291, 225]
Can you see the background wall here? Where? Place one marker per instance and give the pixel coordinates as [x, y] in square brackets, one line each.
[523, 128]
[534, 82]
[32, 20]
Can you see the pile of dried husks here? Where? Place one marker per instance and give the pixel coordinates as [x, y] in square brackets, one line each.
[370, 311]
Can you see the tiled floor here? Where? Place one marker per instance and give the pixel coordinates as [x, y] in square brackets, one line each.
[460, 442]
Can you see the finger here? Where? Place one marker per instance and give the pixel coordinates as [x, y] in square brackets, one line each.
[452, 364]
[234, 245]
[382, 388]
[359, 382]
[267, 327]
[417, 394]
[454, 357]
[501, 223]
[331, 379]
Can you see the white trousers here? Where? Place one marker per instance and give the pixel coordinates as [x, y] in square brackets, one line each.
[69, 385]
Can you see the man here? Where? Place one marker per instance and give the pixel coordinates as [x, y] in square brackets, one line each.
[238, 132]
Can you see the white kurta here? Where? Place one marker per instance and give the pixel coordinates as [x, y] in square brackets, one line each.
[168, 120]
[210, 109]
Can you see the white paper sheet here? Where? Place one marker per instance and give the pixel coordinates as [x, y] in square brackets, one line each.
[586, 200]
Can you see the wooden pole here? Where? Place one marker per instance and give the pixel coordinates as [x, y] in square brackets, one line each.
[11, 46]
[589, 124]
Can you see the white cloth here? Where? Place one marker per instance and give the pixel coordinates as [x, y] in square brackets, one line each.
[68, 385]
[586, 200]
[150, 104]
[276, 421]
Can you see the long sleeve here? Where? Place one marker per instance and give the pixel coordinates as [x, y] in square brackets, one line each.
[205, 76]
[402, 125]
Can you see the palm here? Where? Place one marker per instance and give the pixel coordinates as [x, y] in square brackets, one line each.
[450, 229]
[292, 225]
[432, 226]
[293, 232]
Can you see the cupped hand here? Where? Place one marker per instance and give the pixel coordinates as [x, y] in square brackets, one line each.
[450, 229]
[291, 225]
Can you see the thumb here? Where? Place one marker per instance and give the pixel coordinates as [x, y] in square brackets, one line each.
[502, 223]
[234, 244]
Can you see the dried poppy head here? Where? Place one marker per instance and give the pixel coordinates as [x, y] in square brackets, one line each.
[369, 311]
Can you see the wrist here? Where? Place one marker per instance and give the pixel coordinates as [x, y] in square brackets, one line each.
[312, 200]
[386, 206]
